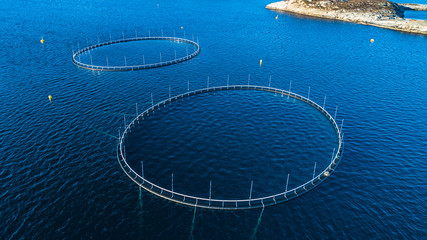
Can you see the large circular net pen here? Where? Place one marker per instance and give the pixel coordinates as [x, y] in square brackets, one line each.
[316, 176]
[190, 53]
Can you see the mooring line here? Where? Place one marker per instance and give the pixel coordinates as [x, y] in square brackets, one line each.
[112, 113]
[140, 197]
[99, 131]
[257, 225]
[141, 211]
[192, 224]
[345, 172]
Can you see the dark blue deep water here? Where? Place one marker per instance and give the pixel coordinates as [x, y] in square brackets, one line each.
[232, 138]
[59, 177]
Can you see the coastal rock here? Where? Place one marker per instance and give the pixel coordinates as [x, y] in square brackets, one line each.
[380, 13]
[413, 7]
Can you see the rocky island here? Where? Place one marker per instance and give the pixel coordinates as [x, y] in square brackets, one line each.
[379, 13]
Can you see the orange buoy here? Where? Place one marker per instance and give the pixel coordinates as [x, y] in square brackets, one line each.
[42, 41]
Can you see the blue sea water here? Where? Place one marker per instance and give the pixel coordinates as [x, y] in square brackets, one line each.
[230, 139]
[419, 15]
[59, 175]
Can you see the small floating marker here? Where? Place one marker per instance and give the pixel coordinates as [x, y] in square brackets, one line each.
[50, 98]
[277, 17]
[182, 27]
[42, 41]
[326, 174]
[260, 62]
[372, 40]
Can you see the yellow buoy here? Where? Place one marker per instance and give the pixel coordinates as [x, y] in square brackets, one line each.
[182, 27]
[326, 174]
[42, 40]
[50, 98]
[260, 62]
[372, 40]
[277, 17]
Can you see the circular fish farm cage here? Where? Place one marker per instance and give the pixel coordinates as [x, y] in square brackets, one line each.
[210, 202]
[189, 55]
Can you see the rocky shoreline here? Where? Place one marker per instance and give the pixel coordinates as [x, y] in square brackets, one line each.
[413, 6]
[379, 13]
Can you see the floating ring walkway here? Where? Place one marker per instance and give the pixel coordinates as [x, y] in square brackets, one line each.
[135, 67]
[230, 204]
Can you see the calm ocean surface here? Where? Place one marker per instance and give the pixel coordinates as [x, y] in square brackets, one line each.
[59, 176]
